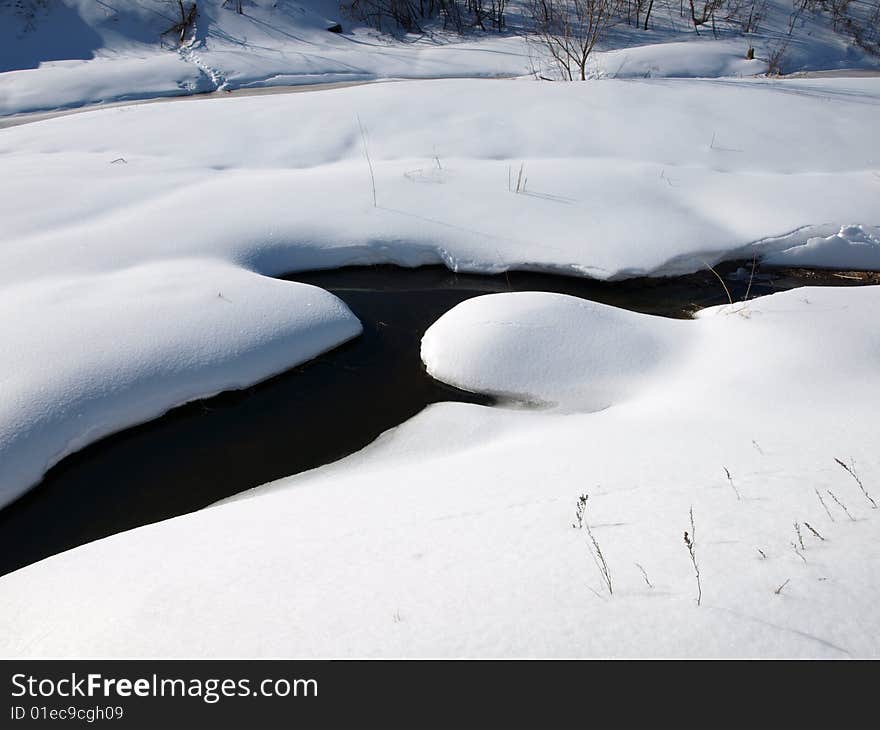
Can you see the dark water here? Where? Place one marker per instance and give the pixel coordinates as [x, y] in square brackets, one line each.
[309, 416]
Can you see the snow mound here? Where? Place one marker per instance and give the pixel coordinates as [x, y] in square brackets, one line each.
[854, 247]
[501, 344]
[92, 354]
[691, 58]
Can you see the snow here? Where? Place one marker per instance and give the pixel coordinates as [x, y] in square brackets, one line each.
[853, 247]
[499, 345]
[670, 48]
[88, 354]
[281, 183]
[693, 58]
[62, 84]
[136, 255]
[274, 184]
[122, 54]
[451, 535]
[81, 52]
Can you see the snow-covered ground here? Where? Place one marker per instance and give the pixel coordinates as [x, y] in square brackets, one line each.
[136, 253]
[111, 51]
[137, 196]
[452, 535]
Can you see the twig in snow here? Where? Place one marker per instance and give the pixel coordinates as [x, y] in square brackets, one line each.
[851, 470]
[520, 180]
[840, 504]
[763, 554]
[118, 160]
[797, 529]
[813, 530]
[758, 447]
[730, 480]
[599, 559]
[824, 506]
[779, 590]
[369, 161]
[644, 575]
[580, 510]
[798, 552]
[691, 542]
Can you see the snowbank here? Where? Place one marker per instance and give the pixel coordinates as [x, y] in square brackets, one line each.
[88, 354]
[63, 84]
[452, 535]
[691, 58]
[853, 247]
[281, 183]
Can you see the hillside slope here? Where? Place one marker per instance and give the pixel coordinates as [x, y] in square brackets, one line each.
[65, 53]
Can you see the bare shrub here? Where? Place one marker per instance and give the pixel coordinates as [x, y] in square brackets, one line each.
[774, 60]
[570, 29]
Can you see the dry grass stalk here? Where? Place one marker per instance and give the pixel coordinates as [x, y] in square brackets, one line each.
[840, 504]
[690, 542]
[596, 551]
[851, 470]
